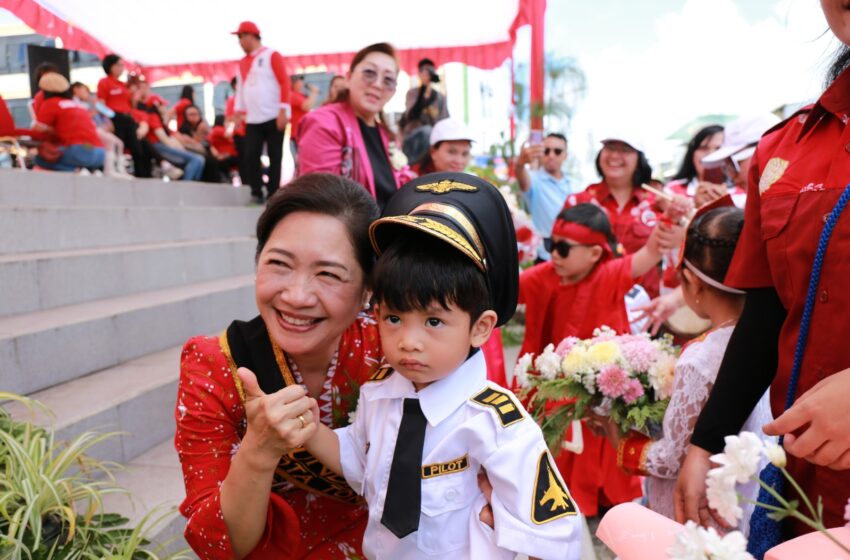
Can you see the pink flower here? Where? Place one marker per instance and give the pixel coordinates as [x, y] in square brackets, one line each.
[640, 353]
[613, 381]
[633, 392]
[565, 346]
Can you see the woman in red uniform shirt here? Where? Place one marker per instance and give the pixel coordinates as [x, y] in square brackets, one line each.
[113, 93]
[800, 169]
[631, 210]
[247, 495]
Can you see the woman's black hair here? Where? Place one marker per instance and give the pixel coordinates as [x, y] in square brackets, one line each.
[187, 127]
[63, 94]
[643, 171]
[418, 271]
[840, 62]
[233, 83]
[109, 61]
[328, 195]
[219, 120]
[188, 92]
[711, 240]
[593, 217]
[687, 171]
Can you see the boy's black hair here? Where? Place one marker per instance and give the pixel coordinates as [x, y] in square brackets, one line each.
[592, 216]
[557, 135]
[711, 240]
[418, 270]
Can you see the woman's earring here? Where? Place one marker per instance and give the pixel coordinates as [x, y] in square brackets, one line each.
[367, 306]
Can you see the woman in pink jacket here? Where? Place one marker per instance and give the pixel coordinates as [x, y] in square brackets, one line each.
[349, 137]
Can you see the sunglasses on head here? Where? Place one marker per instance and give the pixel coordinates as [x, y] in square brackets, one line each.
[558, 151]
[561, 247]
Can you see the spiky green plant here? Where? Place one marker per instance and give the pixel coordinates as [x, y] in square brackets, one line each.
[51, 497]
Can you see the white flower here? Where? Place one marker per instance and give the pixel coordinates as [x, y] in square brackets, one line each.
[521, 369]
[351, 416]
[741, 456]
[732, 546]
[548, 364]
[697, 543]
[661, 376]
[722, 497]
[776, 455]
[589, 382]
[689, 544]
[397, 157]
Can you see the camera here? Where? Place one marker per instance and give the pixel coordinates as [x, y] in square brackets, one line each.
[435, 78]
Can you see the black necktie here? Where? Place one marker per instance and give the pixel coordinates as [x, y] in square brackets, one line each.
[404, 490]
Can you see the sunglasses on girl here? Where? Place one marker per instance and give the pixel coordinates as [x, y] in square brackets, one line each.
[557, 151]
[370, 77]
[561, 247]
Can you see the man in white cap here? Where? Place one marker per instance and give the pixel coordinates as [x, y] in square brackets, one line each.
[262, 93]
[739, 144]
[544, 189]
[450, 150]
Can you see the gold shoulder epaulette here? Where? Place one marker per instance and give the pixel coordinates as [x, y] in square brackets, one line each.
[502, 403]
[381, 374]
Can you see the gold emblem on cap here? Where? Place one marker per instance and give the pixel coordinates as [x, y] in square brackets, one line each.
[446, 186]
[773, 171]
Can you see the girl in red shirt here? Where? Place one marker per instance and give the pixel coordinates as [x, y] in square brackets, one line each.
[582, 288]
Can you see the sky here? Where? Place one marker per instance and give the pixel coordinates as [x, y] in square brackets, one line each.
[652, 66]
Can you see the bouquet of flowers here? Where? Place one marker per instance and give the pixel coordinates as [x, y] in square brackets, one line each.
[628, 378]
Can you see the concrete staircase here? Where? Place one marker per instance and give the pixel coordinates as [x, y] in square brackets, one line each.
[101, 281]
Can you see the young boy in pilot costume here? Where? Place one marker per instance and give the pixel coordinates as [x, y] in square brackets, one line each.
[447, 274]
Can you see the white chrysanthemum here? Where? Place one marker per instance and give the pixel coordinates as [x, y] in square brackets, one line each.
[722, 497]
[521, 369]
[397, 158]
[741, 457]
[776, 455]
[351, 416]
[731, 546]
[661, 376]
[689, 544]
[548, 364]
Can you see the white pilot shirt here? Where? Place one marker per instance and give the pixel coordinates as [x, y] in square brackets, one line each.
[472, 423]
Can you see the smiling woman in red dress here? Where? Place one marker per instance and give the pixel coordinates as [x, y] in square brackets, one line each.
[247, 496]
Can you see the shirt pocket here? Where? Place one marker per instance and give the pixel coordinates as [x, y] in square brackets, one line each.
[446, 502]
[776, 212]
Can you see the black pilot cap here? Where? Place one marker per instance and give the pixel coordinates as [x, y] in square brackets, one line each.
[467, 213]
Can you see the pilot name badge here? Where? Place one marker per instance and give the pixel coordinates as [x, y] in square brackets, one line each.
[449, 467]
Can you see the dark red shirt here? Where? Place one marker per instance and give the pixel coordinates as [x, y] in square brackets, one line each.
[631, 224]
[796, 176]
[71, 121]
[218, 139]
[115, 94]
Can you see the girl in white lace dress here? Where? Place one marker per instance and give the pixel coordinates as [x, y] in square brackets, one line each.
[708, 251]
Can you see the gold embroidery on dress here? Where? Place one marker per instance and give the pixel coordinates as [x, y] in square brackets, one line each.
[288, 378]
[225, 348]
[446, 186]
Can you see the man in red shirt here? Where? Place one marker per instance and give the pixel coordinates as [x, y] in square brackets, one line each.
[113, 93]
[262, 93]
[301, 105]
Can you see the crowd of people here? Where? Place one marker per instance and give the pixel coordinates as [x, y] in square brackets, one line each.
[747, 236]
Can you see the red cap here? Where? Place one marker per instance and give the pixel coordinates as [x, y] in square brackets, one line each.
[247, 27]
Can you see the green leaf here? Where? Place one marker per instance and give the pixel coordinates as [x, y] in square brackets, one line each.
[778, 515]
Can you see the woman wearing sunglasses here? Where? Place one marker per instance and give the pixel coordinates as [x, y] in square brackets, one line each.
[350, 137]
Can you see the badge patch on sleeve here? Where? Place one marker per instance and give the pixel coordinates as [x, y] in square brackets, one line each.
[550, 499]
[449, 467]
[502, 403]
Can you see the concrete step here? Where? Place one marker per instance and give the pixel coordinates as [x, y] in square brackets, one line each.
[29, 188]
[26, 229]
[46, 348]
[44, 280]
[154, 479]
[136, 398]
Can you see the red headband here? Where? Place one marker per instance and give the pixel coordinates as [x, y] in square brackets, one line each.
[582, 234]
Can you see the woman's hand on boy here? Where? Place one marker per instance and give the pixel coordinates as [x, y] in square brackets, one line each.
[486, 513]
[277, 422]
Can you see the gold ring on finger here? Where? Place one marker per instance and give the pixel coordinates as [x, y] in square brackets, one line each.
[303, 422]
